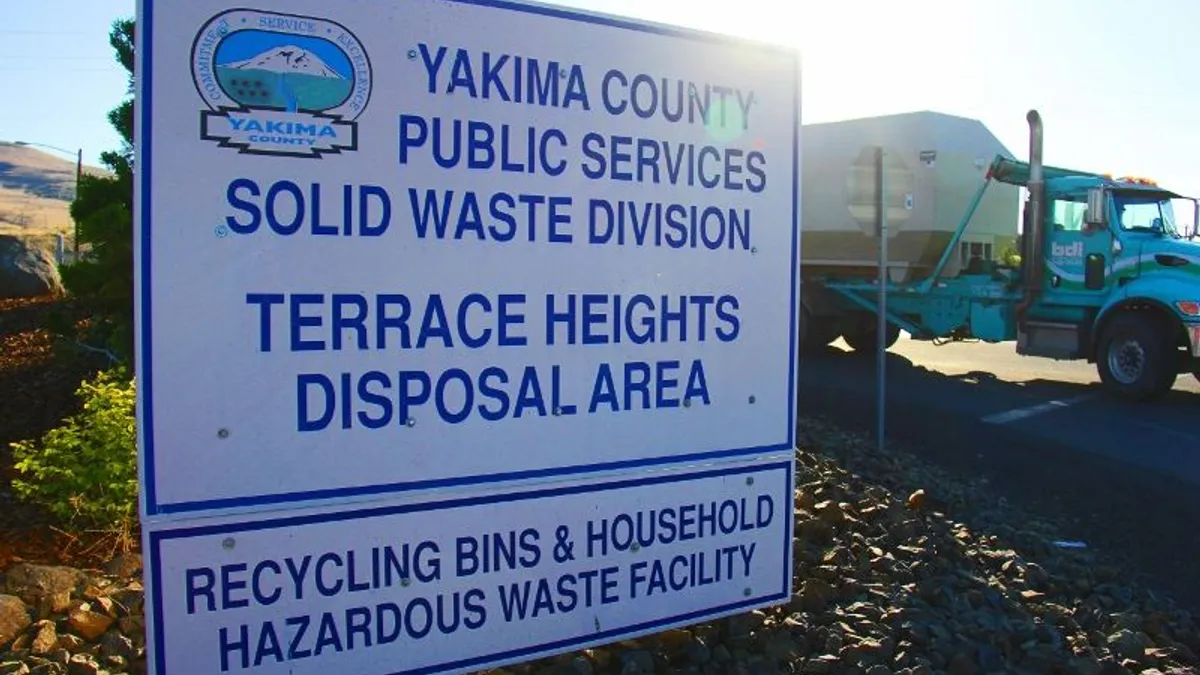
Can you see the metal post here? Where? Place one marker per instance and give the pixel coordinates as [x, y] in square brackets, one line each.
[78, 175]
[881, 314]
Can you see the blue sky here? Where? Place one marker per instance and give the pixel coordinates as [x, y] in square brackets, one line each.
[1113, 80]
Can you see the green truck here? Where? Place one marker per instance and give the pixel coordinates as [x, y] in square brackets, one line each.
[1105, 273]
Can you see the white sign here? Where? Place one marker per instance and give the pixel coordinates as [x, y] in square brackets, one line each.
[469, 584]
[397, 246]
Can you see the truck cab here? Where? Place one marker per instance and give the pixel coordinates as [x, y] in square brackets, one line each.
[1120, 282]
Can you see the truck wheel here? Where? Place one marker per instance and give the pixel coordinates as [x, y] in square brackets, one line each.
[818, 334]
[863, 339]
[1136, 358]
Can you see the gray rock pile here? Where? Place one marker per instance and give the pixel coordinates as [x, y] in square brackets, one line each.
[64, 621]
[886, 583]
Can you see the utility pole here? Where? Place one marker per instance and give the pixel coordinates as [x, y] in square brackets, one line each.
[78, 176]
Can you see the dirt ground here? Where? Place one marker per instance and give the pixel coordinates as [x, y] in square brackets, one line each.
[38, 379]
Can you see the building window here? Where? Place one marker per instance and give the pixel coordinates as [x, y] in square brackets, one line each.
[974, 249]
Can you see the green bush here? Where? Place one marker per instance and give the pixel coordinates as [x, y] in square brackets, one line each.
[84, 471]
[1011, 257]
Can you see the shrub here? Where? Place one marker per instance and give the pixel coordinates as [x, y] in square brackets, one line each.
[84, 472]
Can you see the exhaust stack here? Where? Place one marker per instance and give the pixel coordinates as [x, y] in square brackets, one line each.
[1035, 210]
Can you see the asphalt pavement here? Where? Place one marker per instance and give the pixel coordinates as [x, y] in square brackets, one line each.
[1044, 433]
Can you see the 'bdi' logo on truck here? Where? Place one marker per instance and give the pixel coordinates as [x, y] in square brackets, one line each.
[1069, 252]
[280, 84]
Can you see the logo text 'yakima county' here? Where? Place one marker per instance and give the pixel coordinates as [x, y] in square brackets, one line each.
[280, 84]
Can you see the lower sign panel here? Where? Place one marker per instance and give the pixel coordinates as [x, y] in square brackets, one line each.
[436, 587]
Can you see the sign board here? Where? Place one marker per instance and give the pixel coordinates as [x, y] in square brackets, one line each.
[427, 270]
[472, 583]
[425, 244]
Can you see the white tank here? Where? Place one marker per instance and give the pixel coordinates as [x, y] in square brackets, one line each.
[935, 163]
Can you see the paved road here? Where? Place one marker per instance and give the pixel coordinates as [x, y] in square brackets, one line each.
[1042, 431]
[1063, 401]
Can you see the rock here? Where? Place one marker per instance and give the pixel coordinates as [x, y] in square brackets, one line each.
[13, 668]
[738, 627]
[124, 566]
[14, 617]
[815, 595]
[27, 267]
[675, 639]
[135, 628]
[637, 661]
[1036, 577]
[814, 531]
[867, 652]
[781, 647]
[1041, 659]
[1128, 644]
[833, 643]
[71, 643]
[821, 665]
[600, 658]
[117, 645]
[107, 606]
[91, 625]
[916, 500]
[698, 652]
[46, 638]
[48, 589]
[797, 603]
[831, 512]
[961, 663]
[82, 664]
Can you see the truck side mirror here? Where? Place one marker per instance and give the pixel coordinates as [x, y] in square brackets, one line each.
[1096, 213]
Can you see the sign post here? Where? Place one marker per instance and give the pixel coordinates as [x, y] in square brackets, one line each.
[881, 206]
[466, 331]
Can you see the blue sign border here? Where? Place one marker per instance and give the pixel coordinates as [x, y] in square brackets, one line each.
[782, 594]
[145, 371]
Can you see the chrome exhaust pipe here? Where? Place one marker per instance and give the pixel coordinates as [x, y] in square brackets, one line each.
[1033, 251]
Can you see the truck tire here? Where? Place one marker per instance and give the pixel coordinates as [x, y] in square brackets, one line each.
[863, 339]
[1136, 357]
[817, 333]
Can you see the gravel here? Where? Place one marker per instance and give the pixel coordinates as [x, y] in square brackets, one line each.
[900, 569]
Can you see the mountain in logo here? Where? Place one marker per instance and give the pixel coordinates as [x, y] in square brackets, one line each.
[287, 59]
[285, 77]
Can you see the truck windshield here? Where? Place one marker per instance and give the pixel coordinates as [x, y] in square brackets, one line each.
[1141, 212]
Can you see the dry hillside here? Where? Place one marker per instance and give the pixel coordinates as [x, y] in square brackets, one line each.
[36, 189]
